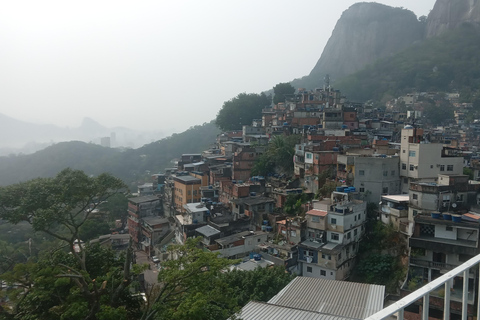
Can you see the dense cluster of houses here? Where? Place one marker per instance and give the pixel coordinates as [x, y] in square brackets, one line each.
[412, 172]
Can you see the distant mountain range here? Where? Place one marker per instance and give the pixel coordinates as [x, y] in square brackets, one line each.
[24, 137]
[131, 165]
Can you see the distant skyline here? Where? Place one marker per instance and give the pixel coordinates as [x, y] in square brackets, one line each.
[155, 65]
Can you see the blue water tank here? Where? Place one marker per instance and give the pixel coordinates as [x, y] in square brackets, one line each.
[340, 189]
[335, 149]
[253, 194]
[269, 228]
[257, 257]
[265, 222]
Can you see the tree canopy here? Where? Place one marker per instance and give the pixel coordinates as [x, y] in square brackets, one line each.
[280, 90]
[59, 207]
[241, 110]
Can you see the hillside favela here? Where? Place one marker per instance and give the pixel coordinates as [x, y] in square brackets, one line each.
[350, 193]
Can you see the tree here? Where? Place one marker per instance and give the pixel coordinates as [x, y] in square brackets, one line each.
[278, 157]
[241, 110]
[280, 90]
[260, 284]
[191, 286]
[59, 207]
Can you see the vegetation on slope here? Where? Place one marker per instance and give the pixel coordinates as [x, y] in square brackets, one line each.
[448, 62]
[129, 165]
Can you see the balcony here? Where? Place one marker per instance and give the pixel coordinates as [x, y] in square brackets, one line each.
[432, 264]
[448, 245]
[463, 296]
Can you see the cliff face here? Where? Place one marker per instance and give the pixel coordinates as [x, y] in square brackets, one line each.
[364, 33]
[448, 14]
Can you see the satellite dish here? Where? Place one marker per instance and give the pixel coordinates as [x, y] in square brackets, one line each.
[454, 205]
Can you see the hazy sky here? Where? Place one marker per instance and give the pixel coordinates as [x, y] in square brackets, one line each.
[155, 65]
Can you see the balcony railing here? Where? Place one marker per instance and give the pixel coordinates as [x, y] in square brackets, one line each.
[432, 264]
[424, 293]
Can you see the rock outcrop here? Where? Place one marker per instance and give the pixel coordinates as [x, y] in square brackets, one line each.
[364, 33]
[448, 14]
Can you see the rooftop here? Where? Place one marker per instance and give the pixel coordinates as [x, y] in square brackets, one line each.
[142, 199]
[320, 213]
[333, 297]
[155, 220]
[397, 198]
[207, 231]
[265, 311]
[195, 207]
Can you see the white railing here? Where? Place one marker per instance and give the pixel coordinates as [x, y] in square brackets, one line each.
[424, 293]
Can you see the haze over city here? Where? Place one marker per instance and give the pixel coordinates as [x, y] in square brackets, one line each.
[154, 65]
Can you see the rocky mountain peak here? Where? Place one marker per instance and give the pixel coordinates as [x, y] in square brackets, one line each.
[448, 14]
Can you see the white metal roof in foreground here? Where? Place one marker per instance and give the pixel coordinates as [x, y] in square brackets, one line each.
[260, 310]
[334, 297]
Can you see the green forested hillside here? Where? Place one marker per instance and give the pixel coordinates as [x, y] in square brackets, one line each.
[129, 165]
[448, 62]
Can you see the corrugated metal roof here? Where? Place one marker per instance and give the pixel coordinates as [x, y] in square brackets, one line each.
[316, 212]
[341, 298]
[264, 311]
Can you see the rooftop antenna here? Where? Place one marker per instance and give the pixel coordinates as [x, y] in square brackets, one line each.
[326, 82]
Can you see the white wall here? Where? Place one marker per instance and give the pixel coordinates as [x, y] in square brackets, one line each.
[442, 232]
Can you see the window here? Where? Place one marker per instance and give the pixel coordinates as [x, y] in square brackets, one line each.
[362, 189]
[450, 167]
[385, 173]
[411, 153]
[348, 235]
[415, 196]
[309, 269]
[442, 167]
[333, 221]
[315, 219]
[385, 190]
[339, 256]
[431, 166]
[334, 236]
[404, 166]
[326, 256]
[405, 180]
[412, 167]
[323, 273]
[355, 232]
[309, 155]
[392, 172]
[308, 253]
[449, 228]
[414, 212]
[361, 172]
[403, 149]
[293, 233]
[359, 216]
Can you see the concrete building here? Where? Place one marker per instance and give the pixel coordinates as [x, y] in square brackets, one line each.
[138, 209]
[394, 211]
[424, 161]
[334, 229]
[376, 176]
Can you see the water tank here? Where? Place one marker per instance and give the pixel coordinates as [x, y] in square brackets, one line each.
[335, 149]
[210, 187]
[340, 189]
[265, 222]
[253, 194]
[269, 228]
[257, 257]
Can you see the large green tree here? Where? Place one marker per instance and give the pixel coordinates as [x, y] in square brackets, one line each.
[280, 90]
[241, 110]
[60, 207]
[191, 286]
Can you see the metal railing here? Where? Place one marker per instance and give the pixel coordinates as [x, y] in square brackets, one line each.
[424, 293]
